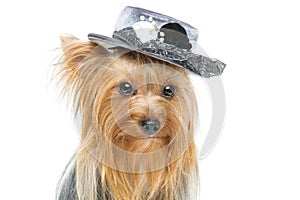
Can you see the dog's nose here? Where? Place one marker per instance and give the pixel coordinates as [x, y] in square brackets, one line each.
[150, 126]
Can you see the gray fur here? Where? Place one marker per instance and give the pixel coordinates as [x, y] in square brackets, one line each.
[67, 187]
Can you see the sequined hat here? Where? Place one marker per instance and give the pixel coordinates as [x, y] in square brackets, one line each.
[161, 37]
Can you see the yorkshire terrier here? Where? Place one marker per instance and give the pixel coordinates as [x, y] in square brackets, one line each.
[138, 118]
[137, 109]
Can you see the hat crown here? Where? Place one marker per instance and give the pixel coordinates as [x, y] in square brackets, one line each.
[141, 19]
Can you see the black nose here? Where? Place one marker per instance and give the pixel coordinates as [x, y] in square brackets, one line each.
[150, 126]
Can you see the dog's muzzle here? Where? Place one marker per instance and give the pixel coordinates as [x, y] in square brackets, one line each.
[150, 126]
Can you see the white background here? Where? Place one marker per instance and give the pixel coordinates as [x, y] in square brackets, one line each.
[258, 155]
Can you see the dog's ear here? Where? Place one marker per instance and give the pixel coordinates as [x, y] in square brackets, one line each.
[75, 50]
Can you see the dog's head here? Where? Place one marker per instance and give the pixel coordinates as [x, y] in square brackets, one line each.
[139, 103]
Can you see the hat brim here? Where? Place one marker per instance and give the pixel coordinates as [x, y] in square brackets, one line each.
[111, 42]
[187, 64]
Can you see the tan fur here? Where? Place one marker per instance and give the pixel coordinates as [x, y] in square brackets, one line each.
[90, 75]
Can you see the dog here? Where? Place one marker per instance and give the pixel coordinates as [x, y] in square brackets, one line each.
[140, 105]
[137, 109]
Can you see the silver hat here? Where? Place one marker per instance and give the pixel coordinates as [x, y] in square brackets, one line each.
[161, 37]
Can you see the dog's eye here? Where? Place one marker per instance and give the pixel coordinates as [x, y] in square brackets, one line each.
[168, 91]
[125, 88]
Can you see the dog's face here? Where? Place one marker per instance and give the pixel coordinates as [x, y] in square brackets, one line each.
[141, 111]
[140, 104]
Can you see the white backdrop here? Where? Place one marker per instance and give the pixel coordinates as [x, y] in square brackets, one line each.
[258, 155]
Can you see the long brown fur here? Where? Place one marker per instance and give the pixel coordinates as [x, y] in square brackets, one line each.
[89, 74]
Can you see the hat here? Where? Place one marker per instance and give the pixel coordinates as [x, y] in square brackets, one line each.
[161, 37]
